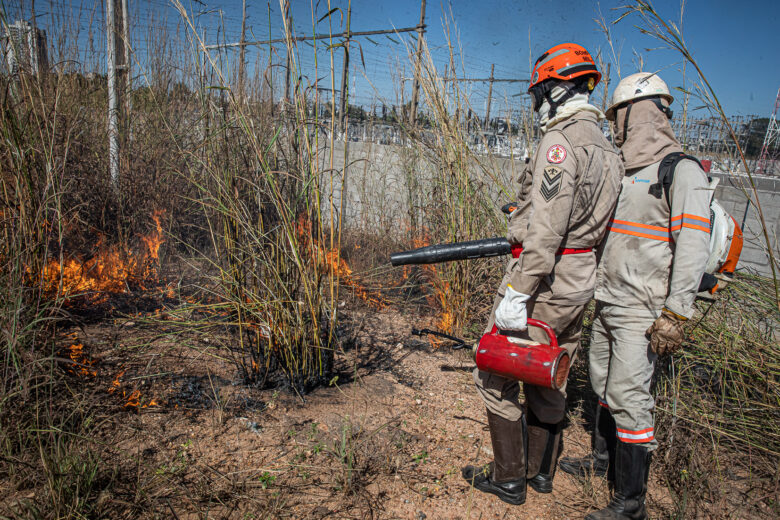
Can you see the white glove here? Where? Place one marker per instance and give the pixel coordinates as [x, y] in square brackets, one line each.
[511, 313]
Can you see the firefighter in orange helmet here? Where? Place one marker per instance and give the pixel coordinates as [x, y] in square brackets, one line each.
[567, 194]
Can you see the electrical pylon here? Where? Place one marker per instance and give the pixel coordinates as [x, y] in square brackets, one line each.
[769, 151]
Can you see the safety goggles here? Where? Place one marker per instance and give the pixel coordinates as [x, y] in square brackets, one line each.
[537, 93]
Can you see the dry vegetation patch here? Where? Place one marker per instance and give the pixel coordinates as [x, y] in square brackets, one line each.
[209, 336]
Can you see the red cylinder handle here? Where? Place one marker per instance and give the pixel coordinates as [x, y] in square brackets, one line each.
[538, 324]
[542, 325]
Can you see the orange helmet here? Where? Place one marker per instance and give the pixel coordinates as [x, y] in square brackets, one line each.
[564, 62]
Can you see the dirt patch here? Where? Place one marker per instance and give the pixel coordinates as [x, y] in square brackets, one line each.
[185, 438]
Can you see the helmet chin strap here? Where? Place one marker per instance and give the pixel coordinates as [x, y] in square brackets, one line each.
[625, 123]
[563, 99]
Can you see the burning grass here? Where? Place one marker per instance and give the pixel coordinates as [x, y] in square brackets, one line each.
[248, 195]
[431, 279]
[82, 365]
[112, 269]
[331, 261]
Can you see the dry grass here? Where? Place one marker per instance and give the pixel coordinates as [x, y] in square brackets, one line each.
[718, 408]
[254, 259]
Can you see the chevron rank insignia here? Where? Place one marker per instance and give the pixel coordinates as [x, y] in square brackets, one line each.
[551, 182]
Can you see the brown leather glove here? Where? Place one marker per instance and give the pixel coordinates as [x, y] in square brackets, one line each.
[666, 333]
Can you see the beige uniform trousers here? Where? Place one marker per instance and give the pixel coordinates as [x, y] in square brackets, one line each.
[502, 396]
[621, 367]
[567, 194]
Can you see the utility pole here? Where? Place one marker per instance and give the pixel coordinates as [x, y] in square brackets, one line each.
[454, 88]
[242, 52]
[289, 28]
[113, 102]
[125, 79]
[417, 62]
[344, 80]
[118, 77]
[344, 198]
[204, 95]
[490, 96]
[270, 69]
[605, 84]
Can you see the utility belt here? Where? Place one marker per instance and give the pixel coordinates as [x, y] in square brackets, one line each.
[518, 248]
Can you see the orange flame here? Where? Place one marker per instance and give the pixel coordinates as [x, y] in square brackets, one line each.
[134, 401]
[108, 271]
[447, 319]
[331, 259]
[339, 267]
[154, 240]
[441, 290]
[115, 384]
[82, 362]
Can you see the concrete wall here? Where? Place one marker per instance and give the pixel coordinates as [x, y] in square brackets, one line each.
[377, 195]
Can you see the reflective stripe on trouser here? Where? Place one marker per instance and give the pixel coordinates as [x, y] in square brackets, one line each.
[501, 395]
[621, 369]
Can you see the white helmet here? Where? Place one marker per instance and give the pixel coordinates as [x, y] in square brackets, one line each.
[637, 86]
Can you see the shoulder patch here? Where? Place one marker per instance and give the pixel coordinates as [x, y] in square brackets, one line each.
[556, 154]
[551, 182]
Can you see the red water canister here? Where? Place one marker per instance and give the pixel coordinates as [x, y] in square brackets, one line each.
[535, 363]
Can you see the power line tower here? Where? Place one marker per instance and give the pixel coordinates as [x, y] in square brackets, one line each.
[769, 151]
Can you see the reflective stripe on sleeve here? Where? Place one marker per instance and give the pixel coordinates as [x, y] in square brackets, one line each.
[690, 221]
[636, 436]
[639, 230]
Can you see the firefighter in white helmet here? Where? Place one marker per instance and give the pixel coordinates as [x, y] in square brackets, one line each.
[650, 267]
[568, 192]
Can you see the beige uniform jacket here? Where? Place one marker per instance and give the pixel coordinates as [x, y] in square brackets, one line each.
[654, 255]
[572, 191]
[518, 220]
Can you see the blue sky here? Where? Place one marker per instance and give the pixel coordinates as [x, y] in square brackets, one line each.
[734, 43]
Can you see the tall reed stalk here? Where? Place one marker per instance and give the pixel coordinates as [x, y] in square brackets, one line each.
[274, 241]
[40, 431]
[459, 199]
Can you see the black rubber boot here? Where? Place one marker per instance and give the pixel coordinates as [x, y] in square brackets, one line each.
[505, 476]
[604, 441]
[595, 464]
[632, 467]
[545, 444]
